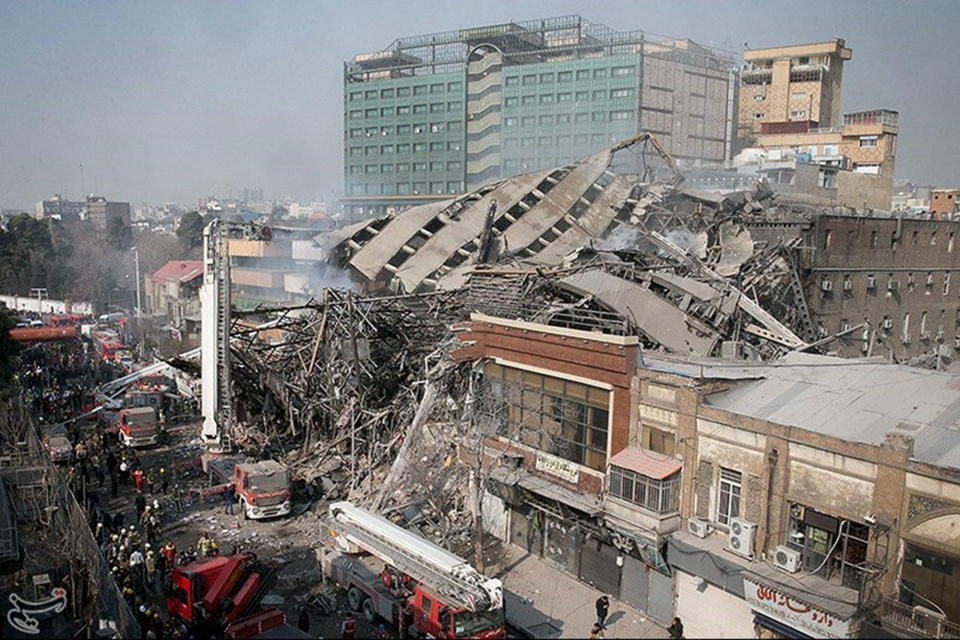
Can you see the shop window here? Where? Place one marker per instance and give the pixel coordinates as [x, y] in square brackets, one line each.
[830, 547]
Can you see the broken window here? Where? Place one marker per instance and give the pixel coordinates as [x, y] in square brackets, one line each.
[658, 440]
[563, 418]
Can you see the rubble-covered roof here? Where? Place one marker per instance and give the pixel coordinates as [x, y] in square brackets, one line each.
[856, 400]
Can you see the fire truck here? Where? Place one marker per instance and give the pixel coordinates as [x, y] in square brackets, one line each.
[263, 488]
[221, 597]
[394, 574]
[43, 334]
[137, 427]
[107, 343]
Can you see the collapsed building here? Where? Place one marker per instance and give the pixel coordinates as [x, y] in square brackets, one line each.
[616, 242]
[559, 359]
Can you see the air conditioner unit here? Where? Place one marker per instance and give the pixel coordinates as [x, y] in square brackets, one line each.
[786, 559]
[848, 285]
[923, 612]
[826, 285]
[893, 285]
[698, 527]
[742, 534]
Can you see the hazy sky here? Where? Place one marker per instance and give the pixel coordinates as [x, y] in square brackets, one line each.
[173, 100]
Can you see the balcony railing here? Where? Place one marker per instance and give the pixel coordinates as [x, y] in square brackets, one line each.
[916, 620]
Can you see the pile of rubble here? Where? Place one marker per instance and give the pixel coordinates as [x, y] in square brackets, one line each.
[357, 390]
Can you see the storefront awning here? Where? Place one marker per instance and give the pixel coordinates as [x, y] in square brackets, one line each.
[586, 503]
[646, 463]
[777, 627]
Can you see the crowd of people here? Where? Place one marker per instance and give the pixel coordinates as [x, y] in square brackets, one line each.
[56, 377]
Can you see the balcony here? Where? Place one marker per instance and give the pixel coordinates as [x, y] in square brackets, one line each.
[756, 76]
[885, 117]
[916, 621]
[643, 489]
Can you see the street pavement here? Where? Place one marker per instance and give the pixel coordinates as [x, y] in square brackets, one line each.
[544, 602]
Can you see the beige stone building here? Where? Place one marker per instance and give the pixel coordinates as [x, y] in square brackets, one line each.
[808, 497]
[796, 83]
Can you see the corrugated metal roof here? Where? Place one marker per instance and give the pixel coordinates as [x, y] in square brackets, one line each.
[857, 400]
[646, 463]
[181, 270]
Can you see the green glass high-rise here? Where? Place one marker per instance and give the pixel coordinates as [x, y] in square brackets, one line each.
[433, 116]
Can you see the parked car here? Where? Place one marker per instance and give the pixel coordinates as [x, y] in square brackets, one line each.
[60, 448]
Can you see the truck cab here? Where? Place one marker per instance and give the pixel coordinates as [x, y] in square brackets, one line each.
[263, 489]
[226, 591]
[137, 427]
[434, 618]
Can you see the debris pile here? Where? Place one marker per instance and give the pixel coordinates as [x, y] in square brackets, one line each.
[614, 242]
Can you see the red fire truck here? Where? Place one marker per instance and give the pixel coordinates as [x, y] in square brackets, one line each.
[393, 574]
[107, 343]
[225, 593]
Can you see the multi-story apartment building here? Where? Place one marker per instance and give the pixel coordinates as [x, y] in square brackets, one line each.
[789, 105]
[98, 211]
[59, 208]
[801, 498]
[435, 115]
[172, 292]
[796, 83]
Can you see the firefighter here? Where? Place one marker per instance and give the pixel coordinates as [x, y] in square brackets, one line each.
[203, 545]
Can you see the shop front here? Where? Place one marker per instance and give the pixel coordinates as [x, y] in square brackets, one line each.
[778, 614]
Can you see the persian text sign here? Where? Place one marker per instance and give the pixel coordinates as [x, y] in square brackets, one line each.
[793, 613]
[563, 469]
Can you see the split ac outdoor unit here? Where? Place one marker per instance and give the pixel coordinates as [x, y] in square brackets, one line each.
[786, 559]
[698, 527]
[742, 533]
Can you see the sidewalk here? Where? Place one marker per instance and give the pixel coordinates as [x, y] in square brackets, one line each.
[544, 602]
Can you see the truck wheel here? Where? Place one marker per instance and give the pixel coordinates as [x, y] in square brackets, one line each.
[354, 598]
[368, 611]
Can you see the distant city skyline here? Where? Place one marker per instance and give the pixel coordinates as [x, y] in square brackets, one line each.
[172, 100]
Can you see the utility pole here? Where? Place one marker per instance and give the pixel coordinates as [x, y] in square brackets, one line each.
[136, 261]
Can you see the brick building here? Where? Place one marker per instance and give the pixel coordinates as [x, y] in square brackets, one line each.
[172, 292]
[801, 497]
[944, 203]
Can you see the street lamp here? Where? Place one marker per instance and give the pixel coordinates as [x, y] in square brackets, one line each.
[136, 256]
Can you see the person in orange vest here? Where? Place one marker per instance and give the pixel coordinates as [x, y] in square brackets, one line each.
[348, 628]
[138, 479]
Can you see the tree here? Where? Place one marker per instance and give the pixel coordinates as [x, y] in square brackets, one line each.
[119, 235]
[190, 229]
[8, 346]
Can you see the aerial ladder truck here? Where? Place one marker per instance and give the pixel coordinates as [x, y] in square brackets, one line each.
[393, 574]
